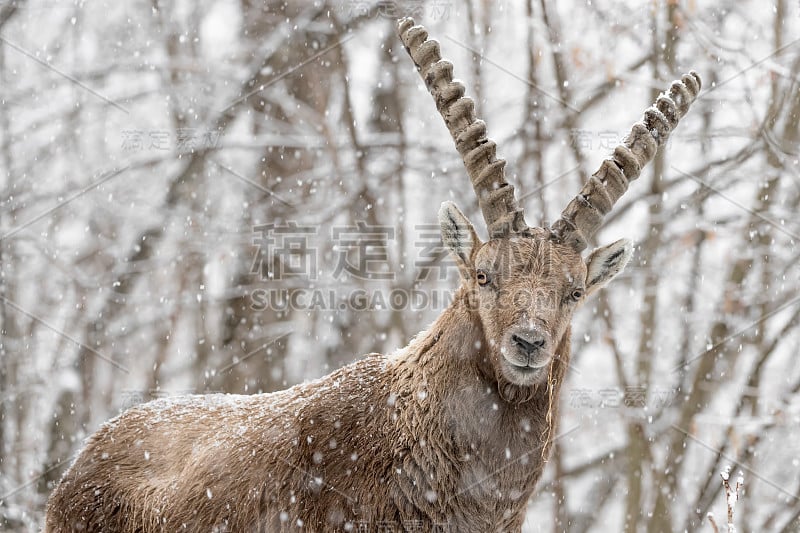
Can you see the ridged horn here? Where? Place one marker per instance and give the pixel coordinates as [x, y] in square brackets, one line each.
[584, 214]
[486, 172]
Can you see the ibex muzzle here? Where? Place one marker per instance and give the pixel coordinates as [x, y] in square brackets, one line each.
[421, 439]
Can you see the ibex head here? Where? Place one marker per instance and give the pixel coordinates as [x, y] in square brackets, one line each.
[525, 287]
[526, 282]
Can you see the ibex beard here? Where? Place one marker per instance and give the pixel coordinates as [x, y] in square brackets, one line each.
[450, 433]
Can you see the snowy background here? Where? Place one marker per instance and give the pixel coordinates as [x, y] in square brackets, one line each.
[173, 172]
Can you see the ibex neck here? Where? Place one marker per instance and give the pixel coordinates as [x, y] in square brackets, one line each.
[488, 421]
[456, 334]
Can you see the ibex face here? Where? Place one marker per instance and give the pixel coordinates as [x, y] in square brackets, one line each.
[525, 288]
[528, 281]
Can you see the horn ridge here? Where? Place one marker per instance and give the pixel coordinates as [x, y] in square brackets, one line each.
[486, 171]
[584, 214]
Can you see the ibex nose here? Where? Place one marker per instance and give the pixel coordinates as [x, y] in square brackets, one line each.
[529, 343]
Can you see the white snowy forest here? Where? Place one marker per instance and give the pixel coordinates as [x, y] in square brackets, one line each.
[239, 195]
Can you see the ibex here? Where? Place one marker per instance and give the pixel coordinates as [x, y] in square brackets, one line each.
[450, 433]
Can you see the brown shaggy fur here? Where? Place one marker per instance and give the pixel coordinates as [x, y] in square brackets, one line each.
[434, 437]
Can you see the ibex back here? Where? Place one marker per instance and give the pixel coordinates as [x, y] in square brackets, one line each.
[450, 433]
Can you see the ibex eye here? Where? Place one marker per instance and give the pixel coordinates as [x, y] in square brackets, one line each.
[483, 277]
[577, 294]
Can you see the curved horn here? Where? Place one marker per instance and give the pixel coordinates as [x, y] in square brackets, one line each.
[487, 173]
[584, 214]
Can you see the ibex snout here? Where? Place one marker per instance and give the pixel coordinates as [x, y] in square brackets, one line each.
[528, 350]
[528, 343]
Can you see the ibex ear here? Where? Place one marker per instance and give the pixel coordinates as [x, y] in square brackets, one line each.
[458, 235]
[605, 263]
